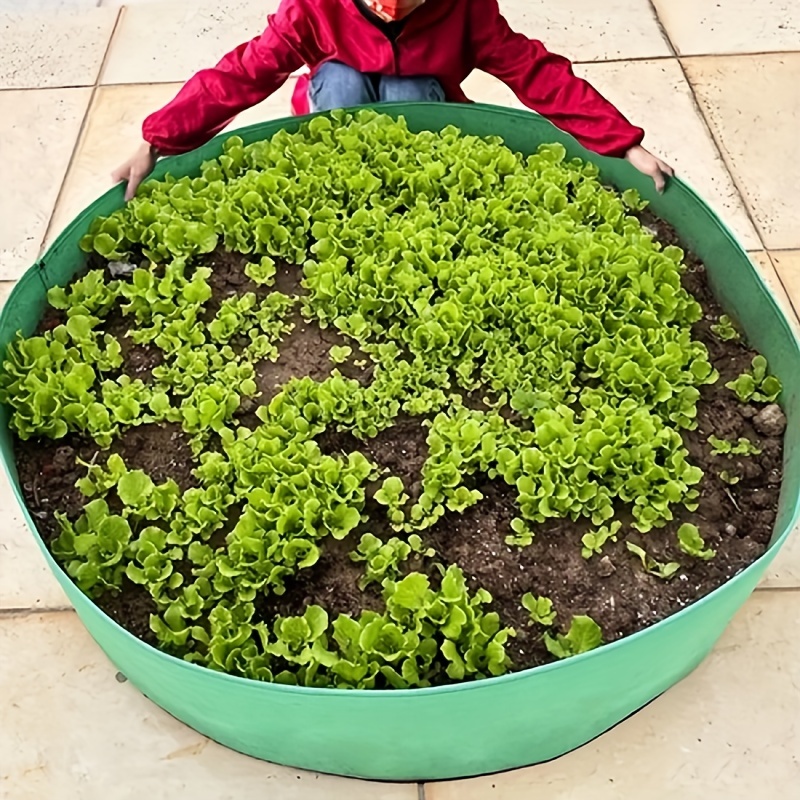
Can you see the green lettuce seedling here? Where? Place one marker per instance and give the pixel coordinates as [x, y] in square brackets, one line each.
[742, 447]
[756, 385]
[93, 549]
[724, 329]
[384, 559]
[651, 565]
[89, 295]
[392, 495]
[691, 542]
[594, 540]
[540, 609]
[584, 634]
[262, 271]
[340, 353]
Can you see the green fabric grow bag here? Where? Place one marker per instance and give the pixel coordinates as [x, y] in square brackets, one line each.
[478, 727]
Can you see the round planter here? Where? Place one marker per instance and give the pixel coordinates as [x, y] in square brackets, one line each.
[471, 728]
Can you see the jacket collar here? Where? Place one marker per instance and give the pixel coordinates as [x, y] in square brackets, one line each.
[430, 12]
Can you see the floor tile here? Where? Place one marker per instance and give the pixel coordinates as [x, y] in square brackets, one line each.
[787, 265]
[32, 6]
[753, 107]
[655, 95]
[698, 27]
[779, 286]
[118, 3]
[25, 579]
[5, 291]
[727, 732]
[113, 131]
[784, 572]
[72, 731]
[584, 30]
[65, 48]
[191, 36]
[40, 128]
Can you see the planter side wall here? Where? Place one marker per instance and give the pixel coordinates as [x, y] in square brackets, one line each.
[472, 728]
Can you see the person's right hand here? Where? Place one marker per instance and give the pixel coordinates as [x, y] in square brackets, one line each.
[136, 168]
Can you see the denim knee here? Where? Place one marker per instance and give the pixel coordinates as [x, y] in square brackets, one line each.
[395, 89]
[335, 85]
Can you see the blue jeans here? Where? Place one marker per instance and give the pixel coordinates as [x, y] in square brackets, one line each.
[335, 85]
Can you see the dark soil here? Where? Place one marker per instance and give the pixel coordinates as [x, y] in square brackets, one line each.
[737, 520]
[401, 450]
[138, 360]
[48, 469]
[304, 351]
[331, 583]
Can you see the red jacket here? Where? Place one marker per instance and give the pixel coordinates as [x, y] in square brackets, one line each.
[446, 39]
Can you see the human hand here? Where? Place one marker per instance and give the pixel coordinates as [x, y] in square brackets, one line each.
[136, 168]
[648, 164]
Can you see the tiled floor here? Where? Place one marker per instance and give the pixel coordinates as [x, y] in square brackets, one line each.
[714, 82]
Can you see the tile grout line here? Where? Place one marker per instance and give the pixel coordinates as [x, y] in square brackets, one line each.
[783, 285]
[420, 791]
[736, 182]
[13, 613]
[662, 30]
[777, 589]
[82, 129]
[746, 54]
[718, 145]
[722, 153]
[576, 62]
[707, 124]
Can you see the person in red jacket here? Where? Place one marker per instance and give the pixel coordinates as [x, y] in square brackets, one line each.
[367, 51]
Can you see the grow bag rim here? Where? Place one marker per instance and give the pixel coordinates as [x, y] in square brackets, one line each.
[675, 183]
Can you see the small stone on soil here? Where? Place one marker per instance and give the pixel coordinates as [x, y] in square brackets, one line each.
[770, 421]
[605, 567]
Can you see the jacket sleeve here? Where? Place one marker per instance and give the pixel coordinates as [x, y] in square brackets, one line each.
[209, 100]
[545, 82]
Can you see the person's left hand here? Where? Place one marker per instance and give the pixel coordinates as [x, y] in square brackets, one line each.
[648, 164]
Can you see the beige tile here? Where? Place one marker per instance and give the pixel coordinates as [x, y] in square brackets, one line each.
[113, 131]
[33, 6]
[753, 107]
[727, 732]
[118, 3]
[40, 129]
[483, 88]
[64, 48]
[698, 27]
[787, 265]
[655, 95]
[25, 579]
[5, 291]
[784, 572]
[191, 36]
[778, 285]
[585, 30]
[72, 732]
